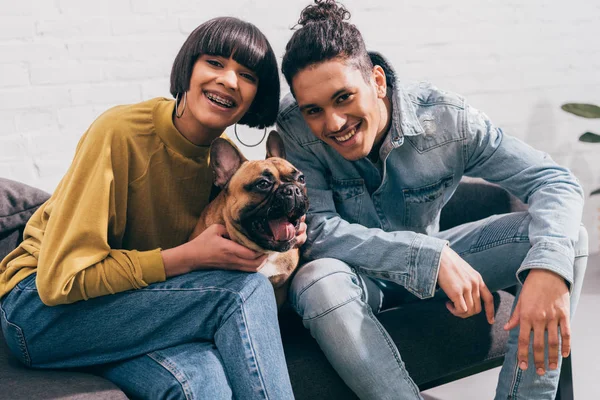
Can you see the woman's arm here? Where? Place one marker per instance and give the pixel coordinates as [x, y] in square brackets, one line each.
[84, 215]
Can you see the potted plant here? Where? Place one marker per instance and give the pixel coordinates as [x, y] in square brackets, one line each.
[585, 111]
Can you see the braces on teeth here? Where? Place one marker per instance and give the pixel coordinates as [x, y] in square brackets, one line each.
[219, 100]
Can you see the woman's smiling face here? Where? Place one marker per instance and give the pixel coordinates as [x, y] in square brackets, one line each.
[220, 92]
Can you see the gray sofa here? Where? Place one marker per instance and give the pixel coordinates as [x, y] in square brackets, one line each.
[436, 346]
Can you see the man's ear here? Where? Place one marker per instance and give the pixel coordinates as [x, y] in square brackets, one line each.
[379, 80]
[225, 160]
[275, 145]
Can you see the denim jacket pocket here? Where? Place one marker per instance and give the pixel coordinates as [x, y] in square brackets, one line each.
[423, 204]
[348, 196]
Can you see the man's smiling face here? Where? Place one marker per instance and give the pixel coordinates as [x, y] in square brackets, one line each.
[341, 108]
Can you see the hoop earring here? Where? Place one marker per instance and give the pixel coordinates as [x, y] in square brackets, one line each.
[247, 145]
[177, 114]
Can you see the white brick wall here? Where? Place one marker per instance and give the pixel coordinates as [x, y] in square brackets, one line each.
[63, 62]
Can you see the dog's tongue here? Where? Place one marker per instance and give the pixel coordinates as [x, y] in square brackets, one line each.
[282, 229]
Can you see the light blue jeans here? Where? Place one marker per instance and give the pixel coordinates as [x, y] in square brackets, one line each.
[339, 307]
[204, 335]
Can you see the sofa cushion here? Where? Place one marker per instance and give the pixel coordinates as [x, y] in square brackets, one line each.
[20, 383]
[17, 203]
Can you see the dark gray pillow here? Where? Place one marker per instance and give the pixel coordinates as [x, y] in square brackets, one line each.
[17, 203]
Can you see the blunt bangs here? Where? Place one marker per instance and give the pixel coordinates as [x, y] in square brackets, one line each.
[243, 42]
[246, 44]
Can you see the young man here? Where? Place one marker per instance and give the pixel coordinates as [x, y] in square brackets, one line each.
[380, 162]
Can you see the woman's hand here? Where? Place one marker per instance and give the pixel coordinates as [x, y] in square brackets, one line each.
[301, 234]
[211, 249]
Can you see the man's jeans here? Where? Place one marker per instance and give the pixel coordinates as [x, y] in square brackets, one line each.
[204, 335]
[338, 307]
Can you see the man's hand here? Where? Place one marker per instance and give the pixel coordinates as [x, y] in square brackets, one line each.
[301, 234]
[464, 287]
[544, 305]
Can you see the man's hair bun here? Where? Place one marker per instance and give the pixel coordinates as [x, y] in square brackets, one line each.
[325, 34]
[323, 10]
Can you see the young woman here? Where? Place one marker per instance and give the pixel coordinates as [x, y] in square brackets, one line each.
[163, 317]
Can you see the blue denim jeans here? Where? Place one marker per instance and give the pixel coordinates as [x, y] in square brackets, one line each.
[210, 334]
[339, 307]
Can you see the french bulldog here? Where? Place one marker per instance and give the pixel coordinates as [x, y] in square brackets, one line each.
[260, 203]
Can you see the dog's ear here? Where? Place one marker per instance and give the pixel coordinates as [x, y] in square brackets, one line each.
[275, 145]
[225, 160]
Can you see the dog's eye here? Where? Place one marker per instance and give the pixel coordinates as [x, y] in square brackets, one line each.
[263, 185]
[301, 179]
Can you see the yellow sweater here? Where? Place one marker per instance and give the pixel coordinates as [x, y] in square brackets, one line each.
[136, 186]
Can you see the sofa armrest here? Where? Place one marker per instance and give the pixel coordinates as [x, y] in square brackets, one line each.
[476, 199]
[18, 202]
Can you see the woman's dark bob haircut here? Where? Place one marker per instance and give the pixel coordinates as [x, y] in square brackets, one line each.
[230, 37]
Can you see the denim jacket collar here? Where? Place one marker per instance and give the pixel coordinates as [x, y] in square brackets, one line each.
[404, 117]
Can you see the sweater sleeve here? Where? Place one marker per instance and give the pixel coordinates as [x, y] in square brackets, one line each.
[85, 222]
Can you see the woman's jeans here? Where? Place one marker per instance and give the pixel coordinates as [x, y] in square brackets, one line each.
[339, 307]
[209, 334]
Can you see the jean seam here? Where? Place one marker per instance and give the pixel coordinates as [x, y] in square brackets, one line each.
[499, 227]
[515, 382]
[238, 295]
[304, 289]
[20, 337]
[393, 349]
[241, 304]
[333, 308]
[514, 239]
[210, 288]
[173, 370]
[26, 288]
[254, 359]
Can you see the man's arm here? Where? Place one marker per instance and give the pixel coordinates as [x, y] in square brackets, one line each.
[407, 258]
[553, 194]
[555, 201]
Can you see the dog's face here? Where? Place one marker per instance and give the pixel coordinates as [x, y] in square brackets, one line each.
[264, 199]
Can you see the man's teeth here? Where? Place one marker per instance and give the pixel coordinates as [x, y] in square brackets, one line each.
[220, 100]
[347, 136]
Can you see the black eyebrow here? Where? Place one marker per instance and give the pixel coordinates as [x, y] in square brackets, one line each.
[336, 94]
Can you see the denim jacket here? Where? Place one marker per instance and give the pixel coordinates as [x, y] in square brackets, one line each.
[379, 219]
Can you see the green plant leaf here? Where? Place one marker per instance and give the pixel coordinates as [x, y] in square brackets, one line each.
[582, 110]
[597, 191]
[589, 137]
